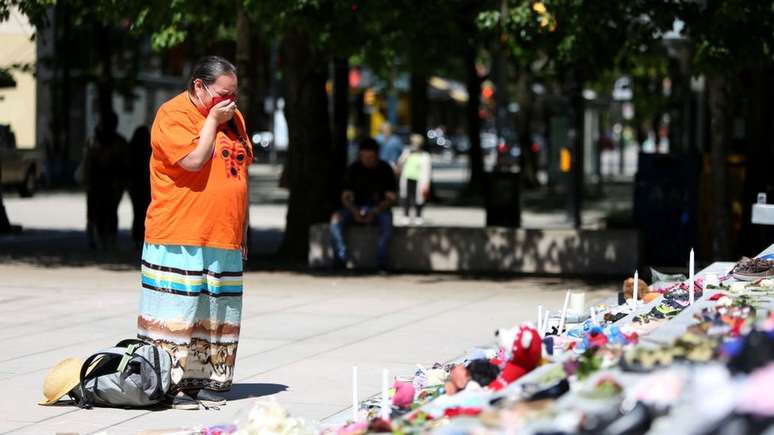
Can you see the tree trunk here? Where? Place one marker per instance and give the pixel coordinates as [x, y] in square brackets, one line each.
[576, 108]
[419, 103]
[755, 238]
[64, 44]
[475, 154]
[528, 158]
[5, 224]
[310, 153]
[340, 118]
[721, 223]
[105, 70]
[244, 65]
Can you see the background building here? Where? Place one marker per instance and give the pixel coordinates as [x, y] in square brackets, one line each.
[19, 55]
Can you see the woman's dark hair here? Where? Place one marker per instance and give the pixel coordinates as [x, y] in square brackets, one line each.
[208, 69]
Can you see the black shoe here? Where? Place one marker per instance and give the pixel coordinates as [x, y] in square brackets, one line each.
[210, 398]
[183, 401]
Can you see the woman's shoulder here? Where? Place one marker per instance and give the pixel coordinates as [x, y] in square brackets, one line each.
[177, 111]
[178, 104]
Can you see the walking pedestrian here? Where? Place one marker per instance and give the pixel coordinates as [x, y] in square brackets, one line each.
[415, 167]
[104, 175]
[390, 145]
[191, 301]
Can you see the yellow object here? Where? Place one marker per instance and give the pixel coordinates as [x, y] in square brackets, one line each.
[377, 119]
[539, 7]
[369, 97]
[62, 378]
[564, 160]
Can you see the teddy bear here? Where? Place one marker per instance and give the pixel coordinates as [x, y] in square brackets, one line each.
[525, 348]
[404, 394]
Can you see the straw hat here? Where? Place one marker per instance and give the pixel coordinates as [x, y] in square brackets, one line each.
[62, 378]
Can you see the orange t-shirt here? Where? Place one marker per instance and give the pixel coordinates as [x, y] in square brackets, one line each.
[202, 208]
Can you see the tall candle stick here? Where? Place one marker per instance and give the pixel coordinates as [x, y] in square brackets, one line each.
[593, 313]
[540, 319]
[355, 402]
[563, 318]
[636, 289]
[544, 326]
[385, 411]
[690, 278]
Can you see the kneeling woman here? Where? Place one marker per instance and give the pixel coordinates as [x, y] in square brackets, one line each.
[195, 232]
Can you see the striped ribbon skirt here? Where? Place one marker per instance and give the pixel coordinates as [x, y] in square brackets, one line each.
[191, 305]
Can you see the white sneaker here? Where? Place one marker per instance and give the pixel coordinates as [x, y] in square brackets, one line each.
[403, 220]
[419, 221]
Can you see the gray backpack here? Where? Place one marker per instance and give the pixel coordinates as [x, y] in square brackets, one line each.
[131, 374]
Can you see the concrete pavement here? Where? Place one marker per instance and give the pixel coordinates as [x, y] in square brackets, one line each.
[301, 334]
[300, 337]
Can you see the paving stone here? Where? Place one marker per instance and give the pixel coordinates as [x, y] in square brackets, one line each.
[301, 334]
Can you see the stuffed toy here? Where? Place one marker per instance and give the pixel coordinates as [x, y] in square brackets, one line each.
[404, 394]
[628, 288]
[525, 348]
[477, 373]
[458, 380]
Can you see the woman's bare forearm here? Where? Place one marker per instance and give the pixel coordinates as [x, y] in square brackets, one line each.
[197, 158]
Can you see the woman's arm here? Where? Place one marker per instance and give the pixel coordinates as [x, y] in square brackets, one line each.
[196, 159]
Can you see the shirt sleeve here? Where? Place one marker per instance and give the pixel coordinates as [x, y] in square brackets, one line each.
[173, 136]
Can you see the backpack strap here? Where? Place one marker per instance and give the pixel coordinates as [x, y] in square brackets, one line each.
[127, 356]
[99, 361]
[130, 341]
[159, 393]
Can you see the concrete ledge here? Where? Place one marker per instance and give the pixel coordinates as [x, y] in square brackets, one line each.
[487, 250]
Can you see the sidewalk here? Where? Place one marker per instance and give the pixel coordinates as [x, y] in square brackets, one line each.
[301, 336]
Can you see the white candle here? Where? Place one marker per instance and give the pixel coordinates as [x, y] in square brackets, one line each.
[385, 411]
[563, 317]
[544, 326]
[355, 402]
[636, 289]
[690, 278]
[577, 303]
[540, 319]
[593, 314]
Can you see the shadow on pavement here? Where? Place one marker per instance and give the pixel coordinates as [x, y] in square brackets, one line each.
[70, 248]
[246, 391]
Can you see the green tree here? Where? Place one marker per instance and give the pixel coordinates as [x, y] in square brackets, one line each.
[728, 37]
[576, 41]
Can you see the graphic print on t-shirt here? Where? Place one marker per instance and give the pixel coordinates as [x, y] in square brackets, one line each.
[233, 154]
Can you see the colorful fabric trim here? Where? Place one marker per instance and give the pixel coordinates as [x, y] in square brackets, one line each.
[191, 305]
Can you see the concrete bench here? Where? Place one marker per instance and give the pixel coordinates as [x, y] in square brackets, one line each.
[487, 250]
